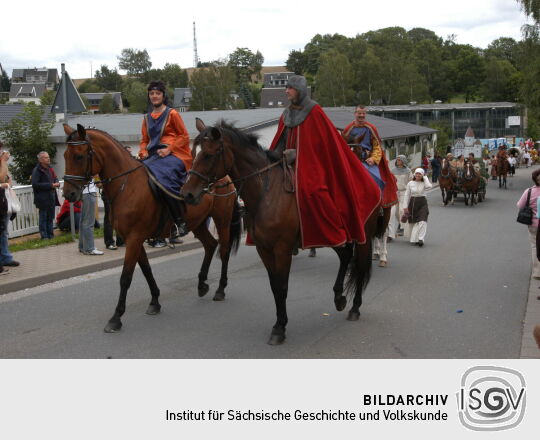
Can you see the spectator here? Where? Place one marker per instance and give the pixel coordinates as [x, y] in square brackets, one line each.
[62, 219]
[535, 192]
[435, 168]
[6, 258]
[417, 208]
[4, 215]
[44, 184]
[88, 219]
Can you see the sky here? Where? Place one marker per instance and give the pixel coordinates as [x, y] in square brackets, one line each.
[85, 35]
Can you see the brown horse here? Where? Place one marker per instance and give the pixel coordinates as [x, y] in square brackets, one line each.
[470, 183]
[446, 182]
[273, 221]
[502, 168]
[138, 215]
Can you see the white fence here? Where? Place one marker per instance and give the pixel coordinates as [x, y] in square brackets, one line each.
[27, 221]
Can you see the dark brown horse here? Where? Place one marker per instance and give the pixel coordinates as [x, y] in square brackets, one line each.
[470, 183]
[273, 221]
[137, 215]
[502, 168]
[446, 181]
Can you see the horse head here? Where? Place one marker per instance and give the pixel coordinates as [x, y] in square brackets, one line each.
[213, 162]
[80, 164]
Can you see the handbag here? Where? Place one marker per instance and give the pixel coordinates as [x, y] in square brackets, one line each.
[14, 205]
[525, 214]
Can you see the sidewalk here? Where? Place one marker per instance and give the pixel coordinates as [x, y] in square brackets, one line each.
[53, 263]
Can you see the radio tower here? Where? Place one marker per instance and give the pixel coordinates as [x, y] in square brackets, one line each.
[195, 55]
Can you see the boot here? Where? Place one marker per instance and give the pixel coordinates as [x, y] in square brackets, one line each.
[175, 210]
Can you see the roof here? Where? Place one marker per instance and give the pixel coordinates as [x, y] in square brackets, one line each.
[10, 111]
[388, 128]
[182, 97]
[469, 132]
[431, 107]
[117, 96]
[127, 127]
[26, 90]
[273, 95]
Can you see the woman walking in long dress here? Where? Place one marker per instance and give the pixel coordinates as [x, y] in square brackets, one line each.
[417, 211]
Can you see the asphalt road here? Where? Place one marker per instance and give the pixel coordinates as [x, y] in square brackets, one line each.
[461, 296]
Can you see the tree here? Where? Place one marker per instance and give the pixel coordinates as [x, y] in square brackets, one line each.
[443, 136]
[212, 87]
[500, 81]
[503, 48]
[5, 82]
[135, 62]
[334, 80]
[136, 96]
[108, 80]
[174, 76]
[26, 135]
[107, 104]
[368, 78]
[245, 64]
[48, 97]
[468, 70]
[531, 8]
[89, 86]
[296, 62]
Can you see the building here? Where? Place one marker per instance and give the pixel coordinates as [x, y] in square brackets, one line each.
[273, 92]
[95, 100]
[29, 85]
[182, 99]
[487, 119]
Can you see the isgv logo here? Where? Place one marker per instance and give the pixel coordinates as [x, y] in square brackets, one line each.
[491, 398]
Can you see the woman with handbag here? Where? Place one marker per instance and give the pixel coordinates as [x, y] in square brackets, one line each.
[417, 210]
[6, 259]
[529, 199]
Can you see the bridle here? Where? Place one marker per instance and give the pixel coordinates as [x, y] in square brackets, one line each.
[81, 181]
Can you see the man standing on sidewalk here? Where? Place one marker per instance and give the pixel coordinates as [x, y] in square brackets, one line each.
[88, 219]
[44, 183]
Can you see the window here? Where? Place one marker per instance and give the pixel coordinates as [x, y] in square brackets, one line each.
[271, 103]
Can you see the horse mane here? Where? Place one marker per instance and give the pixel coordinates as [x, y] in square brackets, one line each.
[236, 136]
[104, 133]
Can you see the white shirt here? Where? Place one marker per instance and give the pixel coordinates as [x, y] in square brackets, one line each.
[90, 188]
[417, 189]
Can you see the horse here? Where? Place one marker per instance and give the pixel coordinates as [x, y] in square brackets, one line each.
[446, 182]
[138, 215]
[273, 219]
[502, 168]
[470, 183]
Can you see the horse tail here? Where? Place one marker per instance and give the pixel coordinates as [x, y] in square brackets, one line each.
[359, 272]
[236, 227]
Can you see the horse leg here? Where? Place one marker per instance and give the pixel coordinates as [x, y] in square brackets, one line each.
[278, 265]
[154, 307]
[345, 254]
[133, 250]
[466, 195]
[443, 196]
[224, 254]
[209, 243]
[360, 273]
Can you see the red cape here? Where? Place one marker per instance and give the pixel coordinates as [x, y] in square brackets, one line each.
[390, 186]
[334, 192]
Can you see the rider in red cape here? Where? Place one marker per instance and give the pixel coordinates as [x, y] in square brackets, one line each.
[378, 156]
[334, 192]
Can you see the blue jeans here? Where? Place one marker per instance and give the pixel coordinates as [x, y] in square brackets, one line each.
[5, 256]
[46, 217]
[86, 225]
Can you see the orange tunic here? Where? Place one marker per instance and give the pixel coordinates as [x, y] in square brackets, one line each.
[175, 136]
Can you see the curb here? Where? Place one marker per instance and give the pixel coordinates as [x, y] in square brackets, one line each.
[27, 283]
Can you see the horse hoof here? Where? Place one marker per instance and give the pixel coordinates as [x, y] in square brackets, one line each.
[276, 339]
[219, 296]
[153, 309]
[353, 316]
[340, 303]
[203, 289]
[113, 327]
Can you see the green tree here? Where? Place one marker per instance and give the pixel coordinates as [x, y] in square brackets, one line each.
[368, 80]
[500, 82]
[428, 59]
[136, 96]
[48, 97]
[135, 62]
[444, 136]
[468, 70]
[531, 8]
[26, 135]
[5, 82]
[212, 87]
[89, 86]
[107, 104]
[108, 80]
[296, 62]
[334, 80]
[174, 76]
[245, 64]
[503, 48]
